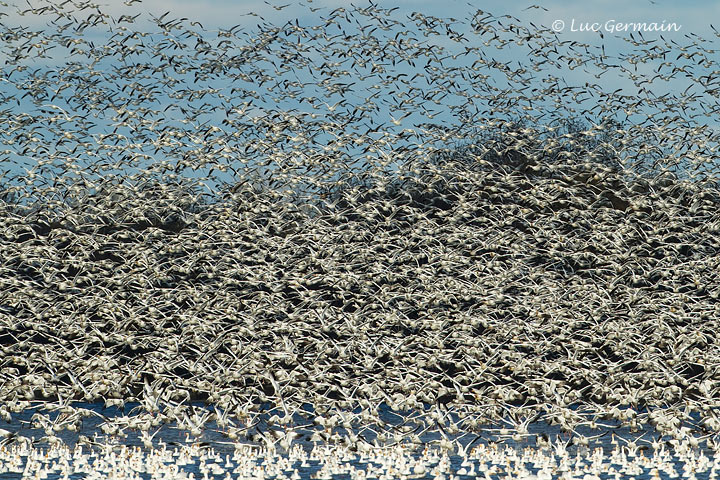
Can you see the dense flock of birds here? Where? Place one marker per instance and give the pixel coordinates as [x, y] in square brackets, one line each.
[359, 211]
[326, 462]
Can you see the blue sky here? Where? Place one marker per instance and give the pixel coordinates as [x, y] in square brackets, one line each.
[694, 16]
[690, 20]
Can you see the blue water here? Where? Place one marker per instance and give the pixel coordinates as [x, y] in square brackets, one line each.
[215, 444]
